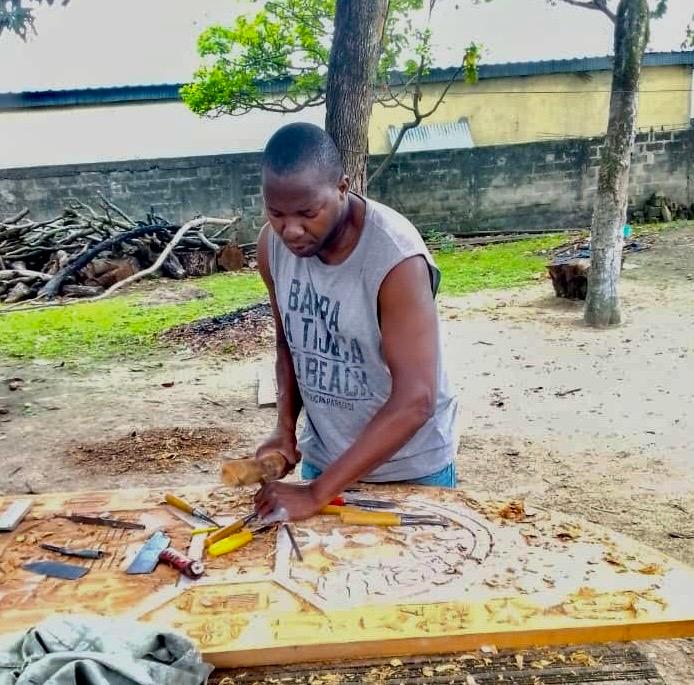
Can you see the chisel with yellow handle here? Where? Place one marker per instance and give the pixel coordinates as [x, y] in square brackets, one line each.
[337, 509]
[235, 541]
[386, 518]
[198, 512]
[232, 528]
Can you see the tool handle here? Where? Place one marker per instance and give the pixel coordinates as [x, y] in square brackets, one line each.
[355, 517]
[225, 532]
[338, 509]
[230, 544]
[178, 503]
[338, 501]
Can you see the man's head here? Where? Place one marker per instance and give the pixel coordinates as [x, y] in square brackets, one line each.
[305, 188]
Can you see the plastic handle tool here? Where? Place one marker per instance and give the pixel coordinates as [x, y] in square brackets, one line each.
[232, 528]
[230, 544]
[179, 503]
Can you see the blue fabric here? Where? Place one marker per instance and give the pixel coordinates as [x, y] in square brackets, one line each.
[445, 478]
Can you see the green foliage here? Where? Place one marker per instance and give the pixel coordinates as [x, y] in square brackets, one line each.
[495, 266]
[120, 326]
[17, 18]
[277, 60]
[439, 241]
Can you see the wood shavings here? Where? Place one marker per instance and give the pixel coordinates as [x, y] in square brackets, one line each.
[470, 680]
[520, 661]
[651, 570]
[513, 510]
[568, 531]
[583, 659]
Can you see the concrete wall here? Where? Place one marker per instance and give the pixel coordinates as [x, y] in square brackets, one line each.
[503, 111]
[512, 187]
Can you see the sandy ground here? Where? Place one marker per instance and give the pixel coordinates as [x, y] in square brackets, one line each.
[617, 451]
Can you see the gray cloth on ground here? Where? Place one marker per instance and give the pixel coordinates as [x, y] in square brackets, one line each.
[70, 650]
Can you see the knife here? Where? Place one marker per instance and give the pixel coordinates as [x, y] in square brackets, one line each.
[56, 569]
[101, 521]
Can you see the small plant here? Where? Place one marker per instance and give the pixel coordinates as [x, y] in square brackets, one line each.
[440, 241]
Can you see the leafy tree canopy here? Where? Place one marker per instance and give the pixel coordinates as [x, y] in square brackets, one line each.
[17, 16]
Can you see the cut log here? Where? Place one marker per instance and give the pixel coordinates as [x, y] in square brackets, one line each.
[172, 267]
[104, 273]
[82, 290]
[21, 291]
[230, 258]
[198, 262]
[570, 278]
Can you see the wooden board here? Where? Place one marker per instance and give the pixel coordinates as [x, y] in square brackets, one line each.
[360, 592]
[267, 385]
[604, 664]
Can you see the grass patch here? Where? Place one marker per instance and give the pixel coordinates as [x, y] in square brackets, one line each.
[495, 266]
[124, 327]
[119, 326]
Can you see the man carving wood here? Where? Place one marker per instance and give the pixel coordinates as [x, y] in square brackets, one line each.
[352, 289]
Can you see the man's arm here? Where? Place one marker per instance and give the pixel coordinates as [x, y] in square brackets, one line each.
[409, 333]
[289, 403]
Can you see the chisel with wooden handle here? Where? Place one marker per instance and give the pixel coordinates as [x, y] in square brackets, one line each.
[386, 518]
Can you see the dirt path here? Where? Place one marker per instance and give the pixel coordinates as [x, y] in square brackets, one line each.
[618, 450]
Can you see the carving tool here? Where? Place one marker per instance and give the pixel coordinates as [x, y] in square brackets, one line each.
[235, 541]
[56, 569]
[147, 557]
[80, 553]
[386, 518]
[198, 512]
[232, 528]
[364, 503]
[292, 539]
[13, 515]
[188, 567]
[203, 531]
[338, 510]
[101, 521]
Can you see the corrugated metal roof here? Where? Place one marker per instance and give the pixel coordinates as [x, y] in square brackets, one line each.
[433, 137]
[76, 97]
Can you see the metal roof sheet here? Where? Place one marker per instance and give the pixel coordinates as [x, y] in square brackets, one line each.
[433, 137]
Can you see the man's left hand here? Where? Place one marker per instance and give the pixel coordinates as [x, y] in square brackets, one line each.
[297, 500]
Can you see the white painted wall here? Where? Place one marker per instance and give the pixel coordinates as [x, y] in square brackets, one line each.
[46, 136]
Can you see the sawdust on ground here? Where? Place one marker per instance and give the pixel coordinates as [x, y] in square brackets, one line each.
[154, 450]
[240, 334]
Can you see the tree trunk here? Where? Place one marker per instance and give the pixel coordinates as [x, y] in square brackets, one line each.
[351, 74]
[631, 36]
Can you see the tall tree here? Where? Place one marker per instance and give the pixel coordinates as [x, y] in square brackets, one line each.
[352, 69]
[631, 34]
[17, 16]
[294, 54]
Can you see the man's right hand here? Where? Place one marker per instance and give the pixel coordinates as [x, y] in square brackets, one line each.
[283, 442]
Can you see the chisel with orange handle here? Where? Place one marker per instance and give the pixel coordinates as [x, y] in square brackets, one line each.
[386, 518]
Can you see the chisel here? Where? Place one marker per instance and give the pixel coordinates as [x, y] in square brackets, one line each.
[80, 553]
[385, 518]
[232, 528]
[235, 541]
[347, 499]
[198, 512]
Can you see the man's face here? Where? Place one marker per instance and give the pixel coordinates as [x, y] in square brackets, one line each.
[304, 209]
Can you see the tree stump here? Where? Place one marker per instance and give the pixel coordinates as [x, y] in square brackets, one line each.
[570, 277]
[198, 262]
[230, 258]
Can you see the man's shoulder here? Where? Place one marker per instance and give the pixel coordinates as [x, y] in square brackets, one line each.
[392, 224]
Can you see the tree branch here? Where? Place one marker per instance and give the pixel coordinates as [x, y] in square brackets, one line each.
[598, 5]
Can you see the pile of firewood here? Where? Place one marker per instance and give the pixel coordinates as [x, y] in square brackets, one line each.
[86, 250]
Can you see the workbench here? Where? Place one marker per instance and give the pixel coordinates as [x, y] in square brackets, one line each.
[499, 574]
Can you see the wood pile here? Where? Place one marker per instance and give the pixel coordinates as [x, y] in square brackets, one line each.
[659, 208]
[88, 249]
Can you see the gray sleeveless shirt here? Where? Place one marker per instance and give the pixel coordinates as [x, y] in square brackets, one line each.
[330, 319]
